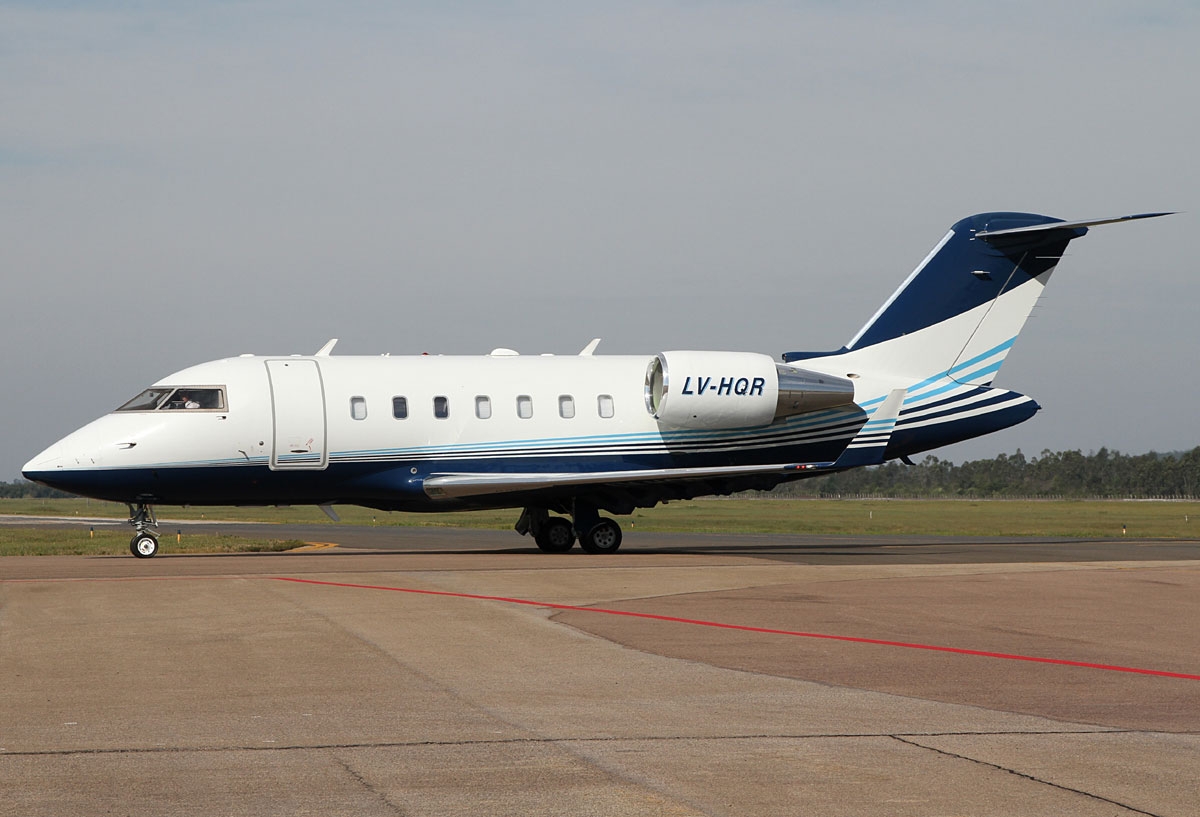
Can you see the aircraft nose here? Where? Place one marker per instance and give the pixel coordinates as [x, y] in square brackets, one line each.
[46, 462]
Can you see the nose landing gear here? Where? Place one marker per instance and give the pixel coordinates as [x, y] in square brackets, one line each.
[144, 543]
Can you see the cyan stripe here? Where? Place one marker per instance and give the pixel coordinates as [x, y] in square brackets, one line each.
[913, 390]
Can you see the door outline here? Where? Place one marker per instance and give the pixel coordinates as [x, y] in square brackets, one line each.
[300, 432]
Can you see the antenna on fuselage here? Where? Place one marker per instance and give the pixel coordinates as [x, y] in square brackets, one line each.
[591, 347]
[327, 348]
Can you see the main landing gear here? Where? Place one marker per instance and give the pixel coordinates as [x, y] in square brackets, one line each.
[144, 543]
[557, 534]
[602, 537]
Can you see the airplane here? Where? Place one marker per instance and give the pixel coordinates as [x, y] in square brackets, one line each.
[563, 438]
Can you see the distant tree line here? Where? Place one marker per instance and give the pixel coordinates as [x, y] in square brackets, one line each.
[1066, 474]
[21, 489]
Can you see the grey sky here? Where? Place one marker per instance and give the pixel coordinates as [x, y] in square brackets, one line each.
[183, 183]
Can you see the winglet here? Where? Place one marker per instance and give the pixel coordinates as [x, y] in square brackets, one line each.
[869, 445]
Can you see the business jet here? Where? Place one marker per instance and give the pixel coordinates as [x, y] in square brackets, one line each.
[563, 438]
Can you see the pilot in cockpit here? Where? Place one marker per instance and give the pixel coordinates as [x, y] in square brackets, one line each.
[183, 400]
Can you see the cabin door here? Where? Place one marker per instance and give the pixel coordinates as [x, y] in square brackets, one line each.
[298, 413]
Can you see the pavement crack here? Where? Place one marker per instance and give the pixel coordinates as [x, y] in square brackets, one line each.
[906, 737]
[1025, 776]
[366, 784]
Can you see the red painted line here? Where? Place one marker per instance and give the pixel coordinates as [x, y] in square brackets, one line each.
[746, 628]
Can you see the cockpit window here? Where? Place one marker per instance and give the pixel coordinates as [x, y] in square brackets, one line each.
[185, 398]
[148, 400]
[195, 399]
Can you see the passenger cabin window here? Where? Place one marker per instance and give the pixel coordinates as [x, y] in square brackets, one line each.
[441, 407]
[604, 404]
[524, 406]
[400, 407]
[358, 408]
[483, 407]
[195, 398]
[566, 406]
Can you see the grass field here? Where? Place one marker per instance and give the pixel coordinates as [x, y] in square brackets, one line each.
[79, 541]
[1086, 519]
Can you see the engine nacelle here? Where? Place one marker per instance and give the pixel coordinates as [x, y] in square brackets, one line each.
[723, 390]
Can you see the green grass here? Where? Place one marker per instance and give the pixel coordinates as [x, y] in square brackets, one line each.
[79, 541]
[1098, 519]
[1086, 519]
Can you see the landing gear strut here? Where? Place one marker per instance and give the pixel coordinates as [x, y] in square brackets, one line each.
[144, 543]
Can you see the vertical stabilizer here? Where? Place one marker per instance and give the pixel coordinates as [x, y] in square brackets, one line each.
[962, 308]
[944, 334]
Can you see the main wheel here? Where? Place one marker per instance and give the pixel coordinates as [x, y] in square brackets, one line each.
[603, 537]
[143, 545]
[556, 536]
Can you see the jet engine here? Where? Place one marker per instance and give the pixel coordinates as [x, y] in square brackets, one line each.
[723, 390]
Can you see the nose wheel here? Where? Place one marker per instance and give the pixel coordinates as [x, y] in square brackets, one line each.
[144, 543]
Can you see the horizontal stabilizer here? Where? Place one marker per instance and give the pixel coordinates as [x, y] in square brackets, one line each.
[869, 445]
[1066, 225]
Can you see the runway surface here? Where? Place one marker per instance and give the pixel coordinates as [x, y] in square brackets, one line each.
[431, 671]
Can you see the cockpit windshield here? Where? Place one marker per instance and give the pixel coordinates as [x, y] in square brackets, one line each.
[166, 398]
[146, 401]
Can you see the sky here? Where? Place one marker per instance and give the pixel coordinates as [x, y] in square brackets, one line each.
[182, 182]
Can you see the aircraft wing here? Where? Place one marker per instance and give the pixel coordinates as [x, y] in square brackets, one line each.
[457, 486]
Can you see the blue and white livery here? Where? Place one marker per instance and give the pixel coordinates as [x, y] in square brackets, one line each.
[564, 438]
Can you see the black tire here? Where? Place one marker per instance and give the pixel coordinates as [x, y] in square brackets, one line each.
[143, 546]
[556, 536]
[603, 537]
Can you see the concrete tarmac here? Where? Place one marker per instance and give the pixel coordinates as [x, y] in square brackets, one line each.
[701, 675]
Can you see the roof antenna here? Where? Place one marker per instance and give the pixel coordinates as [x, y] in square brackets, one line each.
[327, 348]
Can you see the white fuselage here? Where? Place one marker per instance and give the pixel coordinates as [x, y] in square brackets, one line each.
[372, 429]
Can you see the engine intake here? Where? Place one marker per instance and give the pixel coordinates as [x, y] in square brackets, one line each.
[724, 390]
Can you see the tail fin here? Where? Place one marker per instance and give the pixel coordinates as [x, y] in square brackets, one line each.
[960, 310]
[943, 335]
